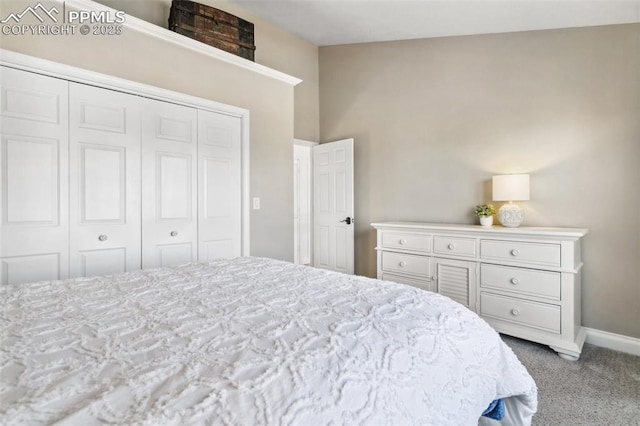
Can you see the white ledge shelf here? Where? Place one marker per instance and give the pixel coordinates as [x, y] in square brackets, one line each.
[169, 36]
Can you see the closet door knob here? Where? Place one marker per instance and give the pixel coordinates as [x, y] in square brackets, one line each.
[102, 237]
[514, 252]
[173, 233]
[515, 312]
[515, 281]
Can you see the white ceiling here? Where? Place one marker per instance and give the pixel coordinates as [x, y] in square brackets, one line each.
[331, 22]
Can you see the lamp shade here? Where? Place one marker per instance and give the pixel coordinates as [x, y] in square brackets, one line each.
[511, 187]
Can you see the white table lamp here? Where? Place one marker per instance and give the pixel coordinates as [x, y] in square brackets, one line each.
[511, 188]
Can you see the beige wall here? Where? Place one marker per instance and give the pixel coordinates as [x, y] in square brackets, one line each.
[275, 48]
[434, 119]
[141, 58]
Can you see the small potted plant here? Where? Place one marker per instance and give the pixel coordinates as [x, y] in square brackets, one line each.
[485, 213]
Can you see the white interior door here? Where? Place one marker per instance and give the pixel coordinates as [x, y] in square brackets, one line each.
[333, 209]
[169, 196]
[219, 186]
[34, 212]
[104, 169]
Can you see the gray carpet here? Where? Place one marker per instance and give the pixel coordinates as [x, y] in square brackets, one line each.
[601, 388]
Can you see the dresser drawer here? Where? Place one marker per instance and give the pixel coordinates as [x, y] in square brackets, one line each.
[407, 263]
[421, 283]
[542, 254]
[454, 246]
[406, 241]
[523, 281]
[531, 314]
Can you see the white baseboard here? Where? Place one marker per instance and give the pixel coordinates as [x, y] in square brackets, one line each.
[616, 342]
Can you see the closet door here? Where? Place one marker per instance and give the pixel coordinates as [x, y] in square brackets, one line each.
[219, 186]
[104, 169]
[169, 196]
[34, 221]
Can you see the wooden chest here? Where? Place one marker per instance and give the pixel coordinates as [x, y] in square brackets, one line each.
[213, 27]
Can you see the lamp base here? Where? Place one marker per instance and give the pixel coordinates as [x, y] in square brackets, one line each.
[511, 215]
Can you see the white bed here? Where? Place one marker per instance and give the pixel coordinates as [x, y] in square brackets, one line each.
[249, 341]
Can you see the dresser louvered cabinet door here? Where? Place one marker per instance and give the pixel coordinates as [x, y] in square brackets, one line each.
[456, 279]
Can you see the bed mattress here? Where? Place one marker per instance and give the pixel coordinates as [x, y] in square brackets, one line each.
[249, 341]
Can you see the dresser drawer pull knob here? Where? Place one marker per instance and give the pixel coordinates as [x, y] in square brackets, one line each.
[514, 252]
[515, 281]
[402, 264]
[102, 237]
[402, 242]
[174, 233]
[451, 246]
[515, 312]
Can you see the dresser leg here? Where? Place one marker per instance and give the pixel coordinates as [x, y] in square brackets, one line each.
[568, 357]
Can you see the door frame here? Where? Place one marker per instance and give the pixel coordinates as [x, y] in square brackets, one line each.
[23, 62]
[310, 145]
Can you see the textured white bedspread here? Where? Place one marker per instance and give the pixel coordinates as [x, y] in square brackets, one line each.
[249, 341]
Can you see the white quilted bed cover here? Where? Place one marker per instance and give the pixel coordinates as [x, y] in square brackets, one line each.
[249, 341]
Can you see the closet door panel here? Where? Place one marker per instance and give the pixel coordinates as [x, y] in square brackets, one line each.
[103, 261]
[102, 189]
[104, 169]
[25, 269]
[219, 186]
[175, 253]
[169, 196]
[34, 216]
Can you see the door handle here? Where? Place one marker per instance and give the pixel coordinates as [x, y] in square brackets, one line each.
[348, 220]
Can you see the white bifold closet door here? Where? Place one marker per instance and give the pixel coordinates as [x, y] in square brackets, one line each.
[104, 175]
[219, 186]
[96, 181]
[34, 225]
[169, 182]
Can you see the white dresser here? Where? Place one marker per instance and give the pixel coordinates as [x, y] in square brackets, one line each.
[524, 281]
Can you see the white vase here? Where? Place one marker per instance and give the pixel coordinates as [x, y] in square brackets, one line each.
[486, 221]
